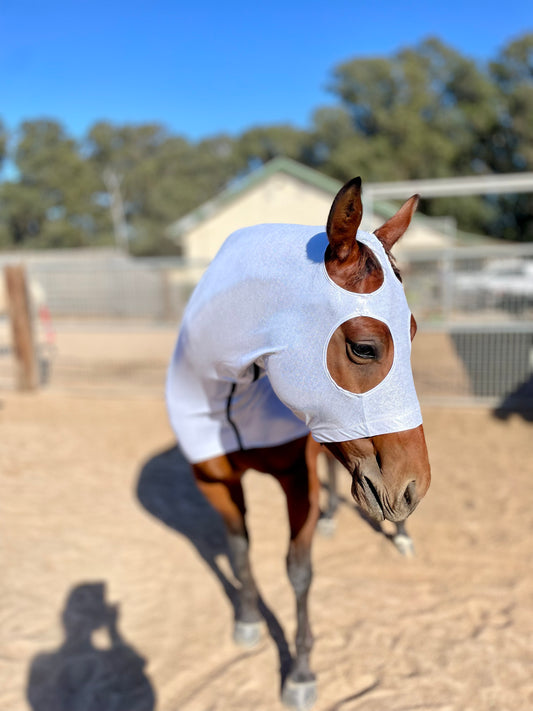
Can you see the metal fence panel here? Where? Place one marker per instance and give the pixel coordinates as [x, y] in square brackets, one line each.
[480, 299]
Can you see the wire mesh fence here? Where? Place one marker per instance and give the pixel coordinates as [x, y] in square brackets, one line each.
[112, 322]
[483, 284]
[474, 307]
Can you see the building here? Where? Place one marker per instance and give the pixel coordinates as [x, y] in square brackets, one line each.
[285, 191]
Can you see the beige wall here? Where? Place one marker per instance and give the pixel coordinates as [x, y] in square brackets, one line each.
[281, 198]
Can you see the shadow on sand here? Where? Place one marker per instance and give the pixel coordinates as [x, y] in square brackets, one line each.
[519, 402]
[166, 488]
[80, 676]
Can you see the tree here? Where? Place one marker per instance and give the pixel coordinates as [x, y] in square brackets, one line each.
[150, 178]
[50, 202]
[510, 148]
[3, 143]
[263, 143]
[427, 111]
[22, 214]
[117, 155]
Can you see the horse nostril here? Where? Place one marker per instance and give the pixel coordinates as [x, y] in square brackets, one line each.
[410, 494]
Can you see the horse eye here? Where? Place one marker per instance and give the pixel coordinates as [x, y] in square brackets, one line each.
[363, 350]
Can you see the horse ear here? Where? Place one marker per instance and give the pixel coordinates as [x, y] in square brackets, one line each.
[389, 233]
[344, 220]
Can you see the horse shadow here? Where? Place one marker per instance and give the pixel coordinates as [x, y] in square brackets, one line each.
[166, 488]
[519, 402]
[83, 676]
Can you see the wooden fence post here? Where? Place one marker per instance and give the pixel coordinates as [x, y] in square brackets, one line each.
[20, 316]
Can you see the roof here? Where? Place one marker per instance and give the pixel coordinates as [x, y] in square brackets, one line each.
[240, 186]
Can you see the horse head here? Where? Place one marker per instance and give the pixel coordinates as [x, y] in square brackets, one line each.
[390, 469]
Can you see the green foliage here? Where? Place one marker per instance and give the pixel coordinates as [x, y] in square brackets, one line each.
[150, 178]
[23, 213]
[3, 143]
[427, 111]
[511, 146]
[265, 143]
[430, 112]
[51, 203]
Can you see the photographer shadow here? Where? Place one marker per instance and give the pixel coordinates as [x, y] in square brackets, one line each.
[166, 488]
[82, 675]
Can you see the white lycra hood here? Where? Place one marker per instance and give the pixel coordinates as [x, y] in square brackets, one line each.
[249, 368]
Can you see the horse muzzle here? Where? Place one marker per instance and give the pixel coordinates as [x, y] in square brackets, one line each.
[390, 472]
[372, 496]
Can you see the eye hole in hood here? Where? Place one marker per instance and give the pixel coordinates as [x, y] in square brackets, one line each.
[360, 354]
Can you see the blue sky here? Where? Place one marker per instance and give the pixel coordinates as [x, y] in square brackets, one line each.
[210, 67]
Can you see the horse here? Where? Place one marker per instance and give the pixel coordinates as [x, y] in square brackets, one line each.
[297, 339]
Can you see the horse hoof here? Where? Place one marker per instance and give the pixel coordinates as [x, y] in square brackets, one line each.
[299, 695]
[404, 544]
[247, 634]
[326, 527]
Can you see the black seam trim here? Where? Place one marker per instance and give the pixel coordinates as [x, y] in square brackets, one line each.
[228, 415]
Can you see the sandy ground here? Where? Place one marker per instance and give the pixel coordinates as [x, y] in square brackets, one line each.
[116, 593]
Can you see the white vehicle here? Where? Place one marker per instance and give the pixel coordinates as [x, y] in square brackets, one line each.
[502, 284]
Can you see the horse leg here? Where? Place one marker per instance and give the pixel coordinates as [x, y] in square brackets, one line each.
[301, 487]
[403, 541]
[222, 488]
[248, 623]
[326, 523]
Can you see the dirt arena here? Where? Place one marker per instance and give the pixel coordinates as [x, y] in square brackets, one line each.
[116, 594]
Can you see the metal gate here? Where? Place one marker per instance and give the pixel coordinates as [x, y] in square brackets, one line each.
[475, 312]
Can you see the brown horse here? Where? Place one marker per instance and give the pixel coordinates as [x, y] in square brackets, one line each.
[389, 469]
